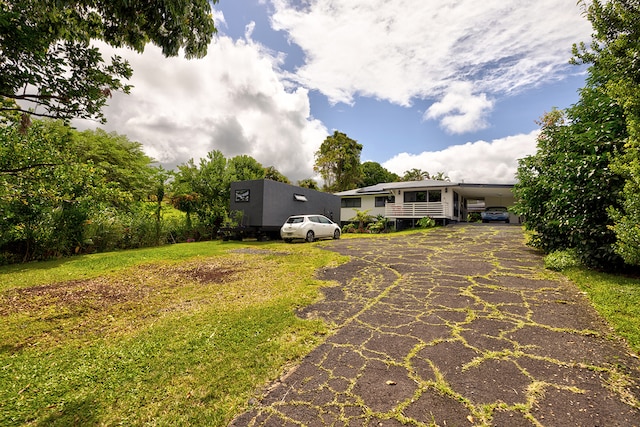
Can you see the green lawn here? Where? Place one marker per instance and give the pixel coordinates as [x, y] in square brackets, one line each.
[177, 335]
[616, 298]
[181, 334]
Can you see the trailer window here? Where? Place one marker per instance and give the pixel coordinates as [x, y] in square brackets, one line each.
[300, 197]
[242, 196]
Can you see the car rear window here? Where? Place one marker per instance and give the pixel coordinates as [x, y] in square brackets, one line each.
[295, 220]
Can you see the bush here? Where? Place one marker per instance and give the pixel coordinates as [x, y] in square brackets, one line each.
[561, 260]
[349, 228]
[474, 217]
[426, 222]
[379, 225]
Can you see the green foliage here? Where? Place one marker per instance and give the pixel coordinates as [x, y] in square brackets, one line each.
[373, 173]
[56, 184]
[565, 189]
[561, 260]
[242, 168]
[47, 57]
[415, 175]
[615, 297]
[426, 222]
[338, 162]
[349, 228]
[613, 55]
[308, 183]
[474, 217]
[274, 174]
[362, 218]
[379, 225]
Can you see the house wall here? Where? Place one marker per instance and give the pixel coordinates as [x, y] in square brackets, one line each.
[367, 202]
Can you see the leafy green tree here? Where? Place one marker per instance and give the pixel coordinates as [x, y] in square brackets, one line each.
[373, 173]
[415, 175]
[243, 167]
[122, 161]
[204, 189]
[614, 53]
[308, 183]
[565, 189]
[338, 162]
[47, 58]
[56, 182]
[274, 174]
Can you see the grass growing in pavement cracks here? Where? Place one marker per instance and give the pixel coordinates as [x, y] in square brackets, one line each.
[178, 335]
[615, 297]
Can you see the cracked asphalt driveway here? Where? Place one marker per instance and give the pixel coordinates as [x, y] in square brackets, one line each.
[458, 326]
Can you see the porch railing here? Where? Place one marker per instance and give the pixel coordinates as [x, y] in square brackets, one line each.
[415, 210]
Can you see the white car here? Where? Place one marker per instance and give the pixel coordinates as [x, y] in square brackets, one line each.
[309, 228]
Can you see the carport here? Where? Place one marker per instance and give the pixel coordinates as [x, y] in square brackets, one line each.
[476, 197]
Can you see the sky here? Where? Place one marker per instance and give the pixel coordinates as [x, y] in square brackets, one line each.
[452, 86]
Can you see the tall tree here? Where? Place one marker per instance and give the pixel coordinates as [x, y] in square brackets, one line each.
[374, 173]
[123, 161]
[54, 181]
[243, 167]
[270, 172]
[47, 60]
[614, 53]
[338, 162]
[565, 189]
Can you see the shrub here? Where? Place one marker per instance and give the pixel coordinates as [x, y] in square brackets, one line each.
[426, 222]
[349, 228]
[561, 260]
[474, 217]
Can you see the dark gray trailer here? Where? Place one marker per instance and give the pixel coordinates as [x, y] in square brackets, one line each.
[264, 205]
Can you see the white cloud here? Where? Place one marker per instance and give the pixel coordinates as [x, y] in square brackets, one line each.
[477, 162]
[461, 110]
[233, 100]
[401, 50]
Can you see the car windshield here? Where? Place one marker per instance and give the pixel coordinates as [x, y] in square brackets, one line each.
[295, 220]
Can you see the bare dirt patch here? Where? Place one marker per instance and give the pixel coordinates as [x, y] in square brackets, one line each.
[103, 292]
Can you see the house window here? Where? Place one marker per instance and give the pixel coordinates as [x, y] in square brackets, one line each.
[300, 197]
[380, 201]
[354, 202]
[415, 196]
[423, 196]
[434, 196]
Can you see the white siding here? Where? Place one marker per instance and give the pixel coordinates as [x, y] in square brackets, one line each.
[368, 202]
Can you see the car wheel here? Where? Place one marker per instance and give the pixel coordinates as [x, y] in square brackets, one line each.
[336, 234]
[310, 236]
[507, 222]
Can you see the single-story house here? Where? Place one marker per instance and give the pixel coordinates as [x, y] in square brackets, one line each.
[406, 202]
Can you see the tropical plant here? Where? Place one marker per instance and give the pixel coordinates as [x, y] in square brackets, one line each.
[362, 217]
[426, 222]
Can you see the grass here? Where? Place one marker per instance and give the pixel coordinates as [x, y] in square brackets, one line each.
[615, 297]
[177, 335]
